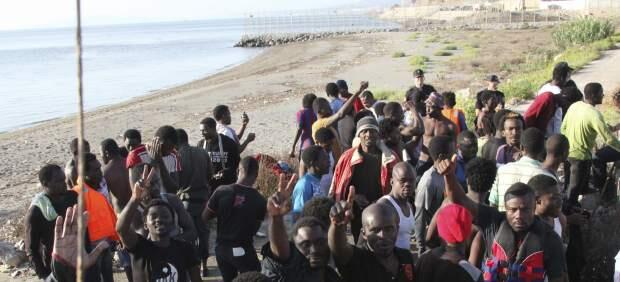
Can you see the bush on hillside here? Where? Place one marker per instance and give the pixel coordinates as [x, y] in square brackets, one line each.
[582, 31]
[398, 54]
[442, 53]
[418, 62]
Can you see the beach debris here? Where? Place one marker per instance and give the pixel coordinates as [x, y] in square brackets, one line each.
[9, 255]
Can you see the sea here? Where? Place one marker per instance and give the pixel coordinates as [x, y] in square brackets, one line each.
[38, 68]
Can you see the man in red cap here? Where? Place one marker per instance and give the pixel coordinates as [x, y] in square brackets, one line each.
[448, 262]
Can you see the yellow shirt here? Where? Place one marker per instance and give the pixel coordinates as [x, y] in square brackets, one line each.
[336, 148]
[318, 124]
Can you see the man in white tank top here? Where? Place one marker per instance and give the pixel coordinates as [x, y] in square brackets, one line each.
[403, 187]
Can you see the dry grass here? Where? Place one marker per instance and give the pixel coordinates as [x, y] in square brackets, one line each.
[267, 180]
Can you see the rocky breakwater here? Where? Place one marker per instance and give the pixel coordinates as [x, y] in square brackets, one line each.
[267, 40]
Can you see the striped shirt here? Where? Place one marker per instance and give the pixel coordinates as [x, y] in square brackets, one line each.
[520, 171]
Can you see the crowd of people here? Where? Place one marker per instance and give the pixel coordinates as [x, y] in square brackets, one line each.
[424, 195]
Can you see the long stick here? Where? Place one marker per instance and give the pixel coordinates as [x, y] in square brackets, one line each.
[80, 128]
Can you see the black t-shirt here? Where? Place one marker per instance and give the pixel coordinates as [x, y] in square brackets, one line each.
[364, 266]
[240, 211]
[490, 220]
[226, 162]
[431, 268]
[295, 269]
[419, 96]
[367, 177]
[152, 263]
[501, 99]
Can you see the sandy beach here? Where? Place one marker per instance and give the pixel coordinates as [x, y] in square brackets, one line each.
[269, 88]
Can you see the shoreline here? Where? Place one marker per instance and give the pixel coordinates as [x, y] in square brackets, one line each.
[138, 98]
[268, 87]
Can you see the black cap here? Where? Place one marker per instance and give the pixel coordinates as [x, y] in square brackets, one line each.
[418, 73]
[563, 66]
[492, 78]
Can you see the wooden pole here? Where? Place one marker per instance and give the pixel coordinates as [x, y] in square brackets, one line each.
[80, 271]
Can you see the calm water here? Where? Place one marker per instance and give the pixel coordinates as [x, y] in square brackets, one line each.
[38, 78]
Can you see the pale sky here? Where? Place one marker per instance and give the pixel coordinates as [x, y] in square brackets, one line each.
[25, 14]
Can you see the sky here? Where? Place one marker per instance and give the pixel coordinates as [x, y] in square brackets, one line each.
[28, 14]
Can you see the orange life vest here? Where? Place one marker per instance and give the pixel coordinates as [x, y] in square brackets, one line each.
[101, 216]
[453, 115]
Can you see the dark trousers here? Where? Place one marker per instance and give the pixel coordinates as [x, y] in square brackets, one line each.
[574, 254]
[599, 165]
[578, 176]
[230, 265]
[104, 263]
[202, 242]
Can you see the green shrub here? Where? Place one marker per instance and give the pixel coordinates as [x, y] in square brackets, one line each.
[539, 63]
[582, 31]
[432, 39]
[413, 37]
[418, 62]
[450, 47]
[468, 106]
[442, 53]
[398, 54]
[388, 94]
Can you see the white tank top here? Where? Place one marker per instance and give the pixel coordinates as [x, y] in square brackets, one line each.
[405, 225]
[557, 226]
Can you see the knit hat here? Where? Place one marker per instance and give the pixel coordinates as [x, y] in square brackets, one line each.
[435, 100]
[366, 123]
[454, 223]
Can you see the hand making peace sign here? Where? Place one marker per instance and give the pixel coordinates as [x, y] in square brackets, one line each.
[278, 204]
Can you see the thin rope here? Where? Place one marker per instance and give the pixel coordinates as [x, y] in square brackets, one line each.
[80, 128]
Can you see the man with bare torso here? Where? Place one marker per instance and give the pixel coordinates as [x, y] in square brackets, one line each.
[435, 124]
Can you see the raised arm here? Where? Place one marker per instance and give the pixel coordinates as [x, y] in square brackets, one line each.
[244, 124]
[340, 215]
[277, 206]
[347, 105]
[169, 181]
[185, 220]
[129, 238]
[246, 142]
[454, 192]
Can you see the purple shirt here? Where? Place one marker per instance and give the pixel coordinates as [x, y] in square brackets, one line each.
[305, 119]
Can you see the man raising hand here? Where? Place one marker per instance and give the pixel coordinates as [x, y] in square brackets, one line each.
[519, 245]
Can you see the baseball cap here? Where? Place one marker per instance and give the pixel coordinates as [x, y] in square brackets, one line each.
[563, 66]
[492, 78]
[418, 73]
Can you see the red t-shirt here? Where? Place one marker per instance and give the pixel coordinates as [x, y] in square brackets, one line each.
[540, 112]
[139, 156]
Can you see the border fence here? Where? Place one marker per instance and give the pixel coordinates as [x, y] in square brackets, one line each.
[469, 16]
[315, 21]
